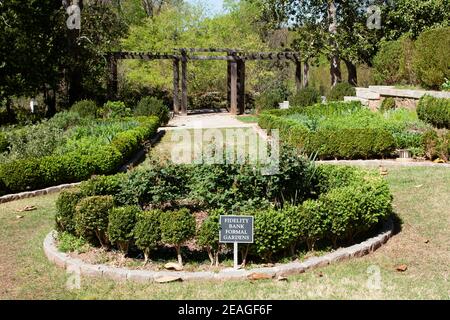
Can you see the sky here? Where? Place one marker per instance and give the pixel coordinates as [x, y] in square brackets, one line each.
[213, 6]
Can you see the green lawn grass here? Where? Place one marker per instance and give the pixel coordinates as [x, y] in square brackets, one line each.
[248, 119]
[422, 201]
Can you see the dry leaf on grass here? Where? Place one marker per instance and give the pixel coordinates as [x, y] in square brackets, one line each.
[401, 268]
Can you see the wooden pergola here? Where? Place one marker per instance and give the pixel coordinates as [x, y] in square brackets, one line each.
[235, 58]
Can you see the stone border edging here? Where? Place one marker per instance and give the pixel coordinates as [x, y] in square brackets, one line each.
[35, 193]
[103, 271]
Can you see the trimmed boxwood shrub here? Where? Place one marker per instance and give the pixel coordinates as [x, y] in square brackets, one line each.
[151, 106]
[176, 228]
[435, 111]
[122, 221]
[306, 97]
[86, 109]
[208, 235]
[91, 218]
[21, 175]
[341, 90]
[65, 209]
[430, 62]
[103, 185]
[273, 232]
[147, 231]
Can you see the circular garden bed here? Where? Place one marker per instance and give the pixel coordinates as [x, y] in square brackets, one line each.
[170, 213]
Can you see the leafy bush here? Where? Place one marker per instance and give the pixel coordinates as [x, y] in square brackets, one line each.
[91, 218]
[270, 99]
[306, 97]
[271, 234]
[177, 227]
[147, 231]
[387, 104]
[67, 242]
[341, 90]
[3, 142]
[115, 109]
[431, 62]
[392, 64]
[208, 100]
[151, 106]
[65, 210]
[85, 108]
[208, 235]
[436, 144]
[435, 111]
[121, 224]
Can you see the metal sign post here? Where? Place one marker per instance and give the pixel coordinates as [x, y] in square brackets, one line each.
[236, 229]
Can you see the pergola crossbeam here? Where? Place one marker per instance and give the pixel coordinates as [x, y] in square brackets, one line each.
[235, 58]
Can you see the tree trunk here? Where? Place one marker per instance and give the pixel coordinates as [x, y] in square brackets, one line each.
[352, 73]
[180, 259]
[244, 254]
[50, 101]
[216, 258]
[306, 74]
[210, 256]
[146, 255]
[335, 67]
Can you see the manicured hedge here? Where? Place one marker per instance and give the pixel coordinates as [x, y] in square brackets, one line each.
[36, 173]
[334, 142]
[435, 111]
[344, 203]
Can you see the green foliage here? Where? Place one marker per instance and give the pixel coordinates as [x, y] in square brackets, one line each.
[4, 144]
[306, 97]
[85, 109]
[67, 242]
[270, 232]
[387, 104]
[151, 106]
[65, 210]
[208, 235]
[436, 144]
[81, 157]
[392, 63]
[341, 90]
[156, 185]
[122, 221]
[435, 111]
[270, 99]
[115, 109]
[177, 226]
[103, 185]
[446, 85]
[349, 131]
[147, 231]
[431, 63]
[91, 218]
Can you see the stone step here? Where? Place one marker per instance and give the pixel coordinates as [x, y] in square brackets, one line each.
[364, 102]
[366, 93]
[389, 91]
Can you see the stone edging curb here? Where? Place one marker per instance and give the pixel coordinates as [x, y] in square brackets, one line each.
[35, 193]
[103, 271]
